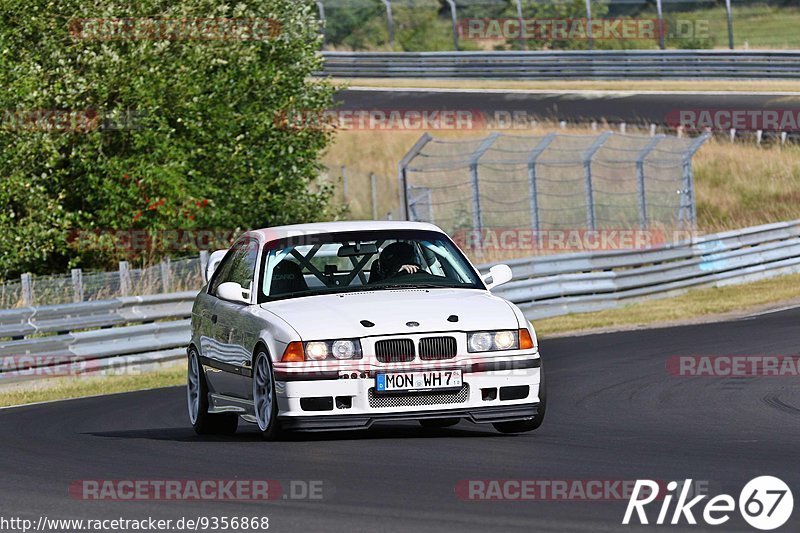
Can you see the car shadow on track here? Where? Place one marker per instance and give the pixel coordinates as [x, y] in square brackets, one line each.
[249, 433]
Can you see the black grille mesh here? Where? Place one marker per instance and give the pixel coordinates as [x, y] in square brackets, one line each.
[413, 400]
[436, 348]
[395, 350]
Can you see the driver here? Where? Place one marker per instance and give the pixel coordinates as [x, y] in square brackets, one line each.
[397, 259]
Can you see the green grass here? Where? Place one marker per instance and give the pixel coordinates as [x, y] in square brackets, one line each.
[48, 389]
[759, 26]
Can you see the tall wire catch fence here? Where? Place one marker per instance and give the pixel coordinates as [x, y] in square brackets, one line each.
[552, 181]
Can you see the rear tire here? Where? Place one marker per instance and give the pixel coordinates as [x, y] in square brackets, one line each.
[264, 400]
[437, 423]
[522, 426]
[203, 422]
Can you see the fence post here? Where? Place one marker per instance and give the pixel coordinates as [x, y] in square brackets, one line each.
[660, 13]
[587, 173]
[27, 289]
[77, 285]
[402, 171]
[534, 155]
[690, 211]
[730, 23]
[477, 215]
[203, 265]
[374, 196]
[640, 179]
[321, 10]
[522, 42]
[454, 19]
[124, 278]
[389, 21]
[165, 274]
[345, 199]
[589, 23]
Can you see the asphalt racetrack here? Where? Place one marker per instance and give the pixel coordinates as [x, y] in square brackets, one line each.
[661, 108]
[614, 413]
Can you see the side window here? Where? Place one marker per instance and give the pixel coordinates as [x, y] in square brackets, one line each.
[238, 266]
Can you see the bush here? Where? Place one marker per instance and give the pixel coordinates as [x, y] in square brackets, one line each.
[153, 130]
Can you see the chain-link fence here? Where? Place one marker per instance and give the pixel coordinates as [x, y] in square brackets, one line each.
[552, 181]
[78, 286]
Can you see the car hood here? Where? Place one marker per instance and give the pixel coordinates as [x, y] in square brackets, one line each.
[333, 316]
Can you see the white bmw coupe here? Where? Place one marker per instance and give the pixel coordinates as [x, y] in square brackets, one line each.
[334, 326]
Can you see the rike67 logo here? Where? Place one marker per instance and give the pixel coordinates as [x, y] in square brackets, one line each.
[765, 503]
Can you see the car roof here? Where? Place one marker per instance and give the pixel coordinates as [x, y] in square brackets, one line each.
[278, 232]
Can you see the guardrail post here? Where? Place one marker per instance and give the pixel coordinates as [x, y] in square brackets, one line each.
[402, 171]
[77, 285]
[660, 24]
[27, 289]
[454, 19]
[124, 278]
[374, 196]
[587, 172]
[534, 155]
[477, 216]
[203, 265]
[730, 23]
[389, 21]
[640, 179]
[165, 274]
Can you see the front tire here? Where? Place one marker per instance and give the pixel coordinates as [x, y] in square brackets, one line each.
[264, 401]
[203, 422]
[522, 426]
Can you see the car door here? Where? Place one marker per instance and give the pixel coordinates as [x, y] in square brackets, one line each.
[231, 359]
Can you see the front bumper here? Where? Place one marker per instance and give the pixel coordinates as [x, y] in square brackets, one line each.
[493, 390]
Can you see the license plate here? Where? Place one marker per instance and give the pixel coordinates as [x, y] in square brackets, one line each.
[428, 380]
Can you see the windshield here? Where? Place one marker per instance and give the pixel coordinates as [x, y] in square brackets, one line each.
[361, 261]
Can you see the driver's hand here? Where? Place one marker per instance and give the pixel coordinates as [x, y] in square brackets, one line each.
[408, 269]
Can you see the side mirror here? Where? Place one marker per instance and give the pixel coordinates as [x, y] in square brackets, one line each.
[233, 292]
[497, 275]
[213, 262]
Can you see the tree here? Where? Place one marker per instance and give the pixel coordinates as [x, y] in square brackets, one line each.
[153, 115]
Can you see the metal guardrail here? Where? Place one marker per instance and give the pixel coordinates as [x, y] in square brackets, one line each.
[575, 283]
[147, 330]
[96, 336]
[598, 64]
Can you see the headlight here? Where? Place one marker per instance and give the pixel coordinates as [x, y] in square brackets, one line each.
[343, 349]
[489, 341]
[321, 350]
[317, 351]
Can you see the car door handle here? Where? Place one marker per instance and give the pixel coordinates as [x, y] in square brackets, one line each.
[214, 319]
